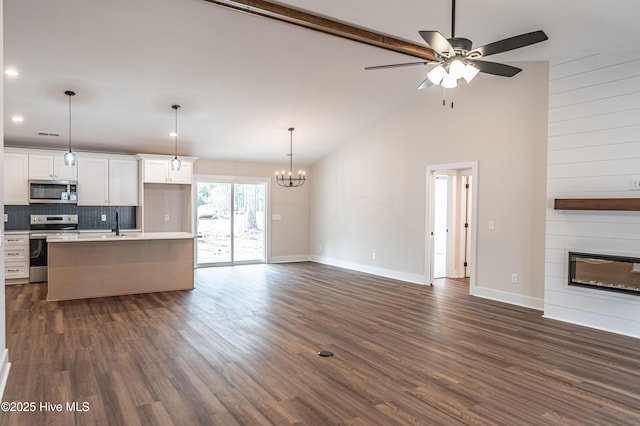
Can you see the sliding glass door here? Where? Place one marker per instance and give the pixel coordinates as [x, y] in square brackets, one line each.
[231, 219]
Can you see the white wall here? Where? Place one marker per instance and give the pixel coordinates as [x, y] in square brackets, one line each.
[594, 150]
[369, 196]
[4, 353]
[289, 236]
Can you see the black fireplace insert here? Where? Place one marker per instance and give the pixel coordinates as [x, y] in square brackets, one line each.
[605, 272]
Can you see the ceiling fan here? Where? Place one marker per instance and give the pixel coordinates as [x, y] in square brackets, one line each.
[456, 57]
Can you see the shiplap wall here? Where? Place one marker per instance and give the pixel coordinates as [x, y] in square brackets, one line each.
[593, 151]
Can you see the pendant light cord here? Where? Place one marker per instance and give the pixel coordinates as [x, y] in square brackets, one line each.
[291, 129]
[69, 122]
[176, 138]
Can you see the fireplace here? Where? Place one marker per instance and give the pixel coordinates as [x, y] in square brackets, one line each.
[605, 272]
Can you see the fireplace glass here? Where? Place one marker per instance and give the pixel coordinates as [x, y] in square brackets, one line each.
[605, 272]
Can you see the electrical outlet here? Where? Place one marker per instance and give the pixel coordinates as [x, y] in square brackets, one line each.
[373, 255]
[514, 278]
[634, 183]
[166, 218]
[103, 218]
[6, 217]
[492, 225]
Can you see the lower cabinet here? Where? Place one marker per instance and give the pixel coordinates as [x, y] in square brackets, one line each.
[16, 258]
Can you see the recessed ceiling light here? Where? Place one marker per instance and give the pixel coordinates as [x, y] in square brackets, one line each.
[17, 119]
[11, 72]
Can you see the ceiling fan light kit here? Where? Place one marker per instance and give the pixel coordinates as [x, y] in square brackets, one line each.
[456, 58]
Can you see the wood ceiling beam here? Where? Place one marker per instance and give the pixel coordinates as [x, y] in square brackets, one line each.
[327, 26]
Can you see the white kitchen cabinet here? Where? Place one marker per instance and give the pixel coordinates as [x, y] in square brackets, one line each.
[156, 171]
[107, 181]
[50, 167]
[93, 181]
[16, 179]
[159, 171]
[16, 258]
[123, 182]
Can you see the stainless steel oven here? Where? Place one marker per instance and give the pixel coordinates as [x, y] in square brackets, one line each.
[41, 227]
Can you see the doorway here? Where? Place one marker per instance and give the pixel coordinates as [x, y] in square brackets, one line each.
[230, 221]
[451, 217]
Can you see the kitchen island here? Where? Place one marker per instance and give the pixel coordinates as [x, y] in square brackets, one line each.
[83, 266]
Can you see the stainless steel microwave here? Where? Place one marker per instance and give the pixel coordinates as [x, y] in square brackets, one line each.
[53, 191]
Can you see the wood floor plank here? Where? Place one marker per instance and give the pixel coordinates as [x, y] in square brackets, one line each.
[240, 349]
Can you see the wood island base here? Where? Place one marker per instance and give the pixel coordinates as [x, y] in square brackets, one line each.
[86, 269]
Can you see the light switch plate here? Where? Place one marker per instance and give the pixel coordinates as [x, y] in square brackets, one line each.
[166, 218]
[634, 183]
[6, 217]
[276, 216]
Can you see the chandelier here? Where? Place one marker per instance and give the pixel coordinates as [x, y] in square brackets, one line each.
[289, 181]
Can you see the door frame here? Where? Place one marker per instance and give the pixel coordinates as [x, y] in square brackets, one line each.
[431, 172]
[233, 180]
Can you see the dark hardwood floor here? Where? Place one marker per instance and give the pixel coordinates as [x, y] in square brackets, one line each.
[241, 349]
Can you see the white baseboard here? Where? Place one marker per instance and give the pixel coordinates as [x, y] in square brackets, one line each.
[609, 330]
[506, 297]
[288, 259]
[382, 272]
[5, 366]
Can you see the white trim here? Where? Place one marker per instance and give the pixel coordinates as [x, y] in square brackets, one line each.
[431, 170]
[381, 272]
[5, 366]
[511, 298]
[290, 259]
[590, 325]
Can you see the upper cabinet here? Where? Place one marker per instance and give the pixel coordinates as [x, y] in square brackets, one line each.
[50, 167]
[123, 182]
[158, 170]
[16, 179]
[106, 181]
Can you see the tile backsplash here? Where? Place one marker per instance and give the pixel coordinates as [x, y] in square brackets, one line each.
[89, 217]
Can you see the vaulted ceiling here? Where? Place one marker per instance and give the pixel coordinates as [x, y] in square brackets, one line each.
[242, 80]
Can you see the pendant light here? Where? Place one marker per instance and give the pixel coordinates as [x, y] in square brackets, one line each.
[175, 163]
[70, 157]
[289, 181]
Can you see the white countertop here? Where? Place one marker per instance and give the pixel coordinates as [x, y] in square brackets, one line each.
[125, 236]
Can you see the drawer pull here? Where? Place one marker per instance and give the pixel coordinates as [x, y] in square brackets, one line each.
[13, 254]
[13, 270]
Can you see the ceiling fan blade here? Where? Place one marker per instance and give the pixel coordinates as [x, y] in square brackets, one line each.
[436, 41]
[507, 44]
[426, 83]
[495, 68]
[406, 64]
